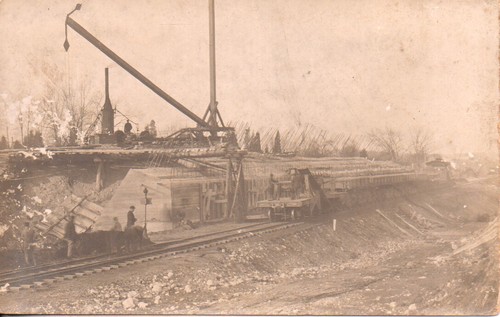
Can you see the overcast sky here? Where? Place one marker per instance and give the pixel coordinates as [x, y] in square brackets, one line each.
[342, 65]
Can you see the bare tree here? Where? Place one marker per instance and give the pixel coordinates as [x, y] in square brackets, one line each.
[349, 149]
[389, 141]
[421, 141]
[68, 106]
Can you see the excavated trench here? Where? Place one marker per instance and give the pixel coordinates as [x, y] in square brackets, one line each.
[403, 251]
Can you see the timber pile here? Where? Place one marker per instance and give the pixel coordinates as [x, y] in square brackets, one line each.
[326, 167]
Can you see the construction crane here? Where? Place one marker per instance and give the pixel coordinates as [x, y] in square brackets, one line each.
[209, 124]
[211, 119]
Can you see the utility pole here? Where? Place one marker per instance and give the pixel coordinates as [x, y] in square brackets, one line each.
[213, 96]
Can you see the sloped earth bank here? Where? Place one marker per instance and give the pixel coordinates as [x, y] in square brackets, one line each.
[434, 253]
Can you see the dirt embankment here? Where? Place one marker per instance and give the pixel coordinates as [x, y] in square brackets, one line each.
[32, 194]
[432, 253]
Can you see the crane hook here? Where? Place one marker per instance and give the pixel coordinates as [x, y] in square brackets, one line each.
[66, 43]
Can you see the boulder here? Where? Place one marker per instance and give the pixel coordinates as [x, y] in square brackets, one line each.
[156, 287]
[128, 303]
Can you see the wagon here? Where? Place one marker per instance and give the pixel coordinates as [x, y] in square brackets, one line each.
[287, 208]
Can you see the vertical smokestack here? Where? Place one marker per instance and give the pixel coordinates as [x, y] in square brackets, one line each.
[108, 116]
[106, 82]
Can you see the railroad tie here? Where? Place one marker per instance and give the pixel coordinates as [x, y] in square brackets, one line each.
[49, 280]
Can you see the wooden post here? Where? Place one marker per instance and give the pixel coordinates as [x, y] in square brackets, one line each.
[201, 208]
[244, 197]
[240, 195]
[229, 188]
[99, 181]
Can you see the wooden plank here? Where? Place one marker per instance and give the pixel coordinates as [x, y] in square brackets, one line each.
[63, 217]
[88, 204]
[393, 223]
[85, 213]
[435, 211]
[409, 225]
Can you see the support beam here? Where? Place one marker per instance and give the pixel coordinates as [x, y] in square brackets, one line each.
[242, 210]
[229, 188]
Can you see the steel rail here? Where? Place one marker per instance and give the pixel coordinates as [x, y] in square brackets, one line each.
[49, 266]
[88, 266]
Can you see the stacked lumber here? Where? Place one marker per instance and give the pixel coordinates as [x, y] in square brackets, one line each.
[85, 212]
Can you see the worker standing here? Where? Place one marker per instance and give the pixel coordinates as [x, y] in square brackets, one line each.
[128, 127]
[70, 235]
[116, 230]
[116, 225]
[28, 237]
[131, 217]
[271, 187]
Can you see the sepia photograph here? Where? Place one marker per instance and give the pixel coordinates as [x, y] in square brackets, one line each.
[249, 157]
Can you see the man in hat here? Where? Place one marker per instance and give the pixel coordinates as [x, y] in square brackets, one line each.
[128, 127]
[131, 217]
[70, 235]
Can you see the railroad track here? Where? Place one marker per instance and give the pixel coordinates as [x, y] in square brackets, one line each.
[28, 278]
[49, 266]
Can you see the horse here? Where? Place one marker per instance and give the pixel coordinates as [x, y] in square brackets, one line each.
[133, 237]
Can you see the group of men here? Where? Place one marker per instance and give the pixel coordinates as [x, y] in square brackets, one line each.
[29, 236]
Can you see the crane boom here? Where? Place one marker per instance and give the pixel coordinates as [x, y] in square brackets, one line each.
[132, 71]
